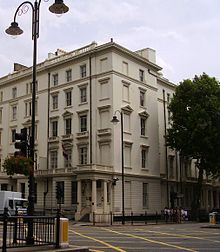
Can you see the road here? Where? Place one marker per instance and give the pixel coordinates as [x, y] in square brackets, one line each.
[165, 237]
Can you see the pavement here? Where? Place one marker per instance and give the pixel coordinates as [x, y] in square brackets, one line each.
[50, 249]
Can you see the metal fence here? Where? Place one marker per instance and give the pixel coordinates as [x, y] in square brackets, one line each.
[14, 229]
[135, 218]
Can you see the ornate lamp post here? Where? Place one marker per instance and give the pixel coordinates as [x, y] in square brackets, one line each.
[58, 8]
[115, 121]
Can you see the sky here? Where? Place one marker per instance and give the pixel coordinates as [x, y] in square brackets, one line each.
[184, 33]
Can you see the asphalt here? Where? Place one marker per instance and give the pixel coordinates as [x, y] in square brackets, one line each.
[81, 249]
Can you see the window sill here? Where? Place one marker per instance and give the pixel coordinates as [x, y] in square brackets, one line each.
[67, 107]
[143, 107]
[104, 99]
[83, 103]
[145, 137]
[145, 169]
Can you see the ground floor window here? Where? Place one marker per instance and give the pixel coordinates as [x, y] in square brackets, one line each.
[74, 192]
[145, 195]
[60, 192]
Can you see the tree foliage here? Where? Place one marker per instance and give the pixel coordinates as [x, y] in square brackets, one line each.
[195, 122]
[18, 165]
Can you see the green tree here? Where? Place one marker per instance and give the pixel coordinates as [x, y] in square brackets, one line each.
[195, 126]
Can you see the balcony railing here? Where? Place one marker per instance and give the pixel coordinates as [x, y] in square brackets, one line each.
[84, 134]
[103, 132]
[67, 137]
[53, 139]
[107, 168]
[68, 170]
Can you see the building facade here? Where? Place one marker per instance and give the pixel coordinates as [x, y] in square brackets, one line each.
[78, 148]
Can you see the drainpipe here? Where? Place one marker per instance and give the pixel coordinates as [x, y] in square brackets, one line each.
[90, 107]
[165, 134]
[48, 128]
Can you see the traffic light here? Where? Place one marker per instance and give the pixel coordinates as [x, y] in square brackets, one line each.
[22, 145]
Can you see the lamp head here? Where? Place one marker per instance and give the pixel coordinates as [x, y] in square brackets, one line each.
[14, 29]
[58, 7]
[114, 120]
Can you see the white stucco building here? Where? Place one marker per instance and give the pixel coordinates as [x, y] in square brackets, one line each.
[77, 94]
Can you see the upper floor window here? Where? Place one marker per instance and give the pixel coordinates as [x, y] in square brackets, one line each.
[83, 71]
[68, 75]
[83, 155]
[0, 115]
[144, 153]
[14, 92]
[28, 108]
[29, 87]
[142, 98]
[126, 92]
[53, 159]
[141, 75]
[1, 96]
[54, 132]
[68, 126]
[55, 101]
[68, 95]
[55, 79]
[125, 68]
[83, 123]
[68, 158]
[14, 112]
[143, 126]
[13, 131]
[83, 94]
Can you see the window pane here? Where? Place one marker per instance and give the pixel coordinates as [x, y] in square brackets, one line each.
[83, 95]
[68, 98]
[83, 71]
[145, 195]
[68, 126]
[83, 123]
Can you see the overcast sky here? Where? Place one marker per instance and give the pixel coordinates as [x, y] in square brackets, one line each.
[184, 33]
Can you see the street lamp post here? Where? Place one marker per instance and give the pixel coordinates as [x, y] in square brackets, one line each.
[57, 8]
[115, 121]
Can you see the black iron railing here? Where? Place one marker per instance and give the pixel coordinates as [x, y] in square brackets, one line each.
[46, 230]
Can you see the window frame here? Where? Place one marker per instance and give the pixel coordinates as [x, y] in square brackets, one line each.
[141, 75]
[69, 75]
[14, 92]
[68, 126]
[144, 158]
[83, 72]
[68, 98]
[83, 155]
[55, 79]
[143, 126]
[83, 123]
[54, 128]
[53, 159]
[55, 101]
[83, 94]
